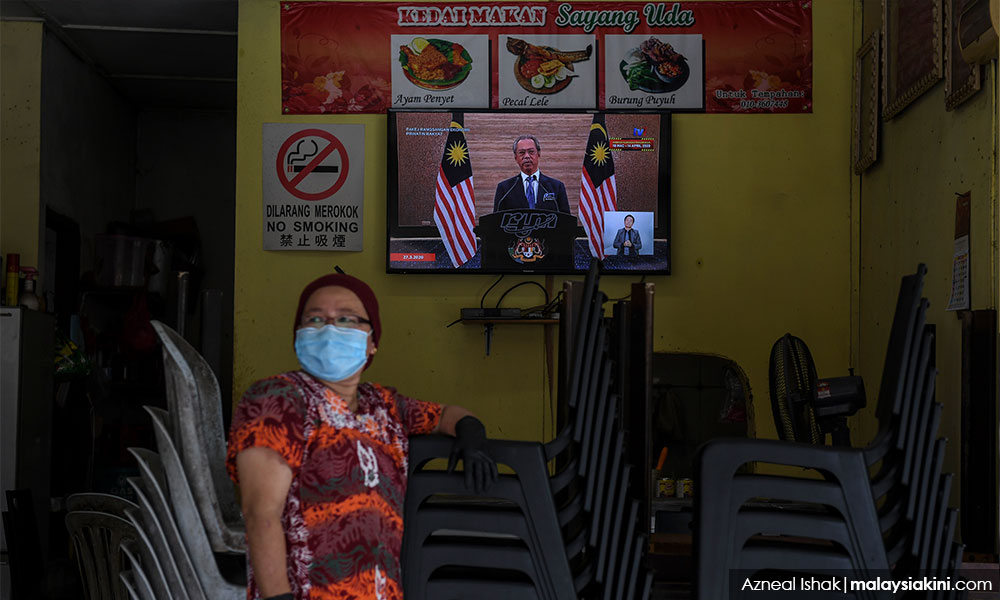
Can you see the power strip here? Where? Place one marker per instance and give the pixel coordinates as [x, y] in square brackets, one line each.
[491, 313]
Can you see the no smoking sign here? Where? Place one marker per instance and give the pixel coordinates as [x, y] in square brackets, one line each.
[312, 159]
[313, 188]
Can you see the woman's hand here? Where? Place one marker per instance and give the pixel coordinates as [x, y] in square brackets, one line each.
[470, 446]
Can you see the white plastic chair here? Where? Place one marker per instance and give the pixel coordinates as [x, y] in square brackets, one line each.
[97, 538]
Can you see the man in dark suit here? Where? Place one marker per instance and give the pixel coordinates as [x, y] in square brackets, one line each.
[530, 188]
[627, 240]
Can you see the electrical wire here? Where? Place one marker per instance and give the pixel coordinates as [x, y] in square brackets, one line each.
[483, 299]
[628, 295]
[545, 308]
[514, 287]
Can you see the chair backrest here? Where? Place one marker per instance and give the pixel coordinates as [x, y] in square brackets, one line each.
[178, 491]
[898, 350]
[128, 579]
[152, 565]
[185, 511]
[162, 550]
[195, 407]
[151, 491]
[142, 586]
[95, 502]
[97, 538]
[582, 324]
[898, 406]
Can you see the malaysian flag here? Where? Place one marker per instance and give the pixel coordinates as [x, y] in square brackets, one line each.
[454, 198]
[597, 191]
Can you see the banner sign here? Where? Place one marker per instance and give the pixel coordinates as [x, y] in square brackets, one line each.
[313, 186]
[721, 57]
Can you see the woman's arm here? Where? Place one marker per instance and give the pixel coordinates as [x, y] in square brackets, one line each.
[265, 478]
[449, 417]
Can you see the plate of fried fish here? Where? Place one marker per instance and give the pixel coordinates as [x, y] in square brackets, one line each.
[435, 64]
[543, 69]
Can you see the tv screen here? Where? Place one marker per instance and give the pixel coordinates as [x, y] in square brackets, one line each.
[519, 192]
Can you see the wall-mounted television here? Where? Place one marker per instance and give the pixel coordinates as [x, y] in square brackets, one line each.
[458, 202]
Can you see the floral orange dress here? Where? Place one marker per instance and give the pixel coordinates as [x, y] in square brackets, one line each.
[343, 519]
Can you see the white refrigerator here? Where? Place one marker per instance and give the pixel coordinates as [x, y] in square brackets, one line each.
[27, 350]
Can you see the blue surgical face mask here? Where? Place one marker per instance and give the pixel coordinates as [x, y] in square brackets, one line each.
[331, 353]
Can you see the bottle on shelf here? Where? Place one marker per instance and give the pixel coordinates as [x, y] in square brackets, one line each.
[28, 297]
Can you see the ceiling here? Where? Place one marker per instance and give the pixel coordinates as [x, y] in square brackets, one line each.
[156, 53]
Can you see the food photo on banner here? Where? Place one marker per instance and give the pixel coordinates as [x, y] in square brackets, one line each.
[534, 71]
[719, 57]
[440, 72]
[661, 72]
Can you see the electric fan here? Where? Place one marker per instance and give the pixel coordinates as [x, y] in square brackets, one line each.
[806, 407]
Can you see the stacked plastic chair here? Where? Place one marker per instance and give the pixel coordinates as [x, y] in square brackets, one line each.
[195, 406]
[878, 511]
[560, 526]
[106, 546]
[187, 519]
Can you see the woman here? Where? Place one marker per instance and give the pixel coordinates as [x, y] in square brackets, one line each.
[321, 458]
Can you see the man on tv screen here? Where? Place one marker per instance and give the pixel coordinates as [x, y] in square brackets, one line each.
[530, 188]
[627, 240]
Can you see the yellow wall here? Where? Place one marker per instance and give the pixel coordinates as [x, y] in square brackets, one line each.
[927, 155]
[20, 139]
[761, 246]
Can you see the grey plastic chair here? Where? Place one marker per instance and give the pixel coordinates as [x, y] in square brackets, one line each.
[127, 579]
[97, 538]
[150, 561]
[96, 502]
[151, 489]
[176, 588]
[138, 571]
[185, 512]
[195, 407]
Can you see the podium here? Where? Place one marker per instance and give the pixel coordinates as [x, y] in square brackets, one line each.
[527, 240]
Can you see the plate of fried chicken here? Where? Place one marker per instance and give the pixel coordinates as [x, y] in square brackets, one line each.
[435, 64]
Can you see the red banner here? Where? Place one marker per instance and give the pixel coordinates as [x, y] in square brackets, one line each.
[367, 57]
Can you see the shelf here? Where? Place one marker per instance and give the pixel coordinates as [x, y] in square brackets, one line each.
[510, 321]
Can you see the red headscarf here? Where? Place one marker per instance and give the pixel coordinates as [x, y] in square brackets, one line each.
[360, 289]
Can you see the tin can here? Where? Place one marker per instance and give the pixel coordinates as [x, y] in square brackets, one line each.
[665, 487]
[685, 487]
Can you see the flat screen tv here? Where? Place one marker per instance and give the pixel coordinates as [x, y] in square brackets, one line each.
[457, 202]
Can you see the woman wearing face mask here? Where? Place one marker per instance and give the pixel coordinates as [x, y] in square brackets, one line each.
[320, 457]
